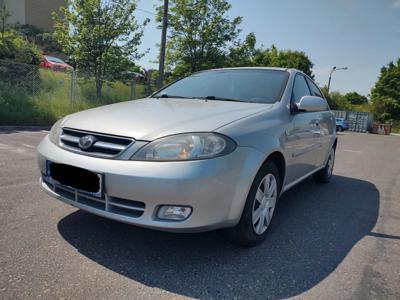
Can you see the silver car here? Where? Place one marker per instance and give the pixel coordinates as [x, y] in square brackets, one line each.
[212, 150]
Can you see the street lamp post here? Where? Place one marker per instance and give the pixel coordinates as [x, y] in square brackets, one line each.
[330, 75]
[160, 80]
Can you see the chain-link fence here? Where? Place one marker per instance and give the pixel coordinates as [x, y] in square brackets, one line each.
[33, 95]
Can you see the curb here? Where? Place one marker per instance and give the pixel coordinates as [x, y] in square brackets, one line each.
[24, 128]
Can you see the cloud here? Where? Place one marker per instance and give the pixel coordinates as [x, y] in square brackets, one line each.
[396, 3]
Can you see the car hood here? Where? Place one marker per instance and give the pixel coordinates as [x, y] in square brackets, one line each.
[151, 118]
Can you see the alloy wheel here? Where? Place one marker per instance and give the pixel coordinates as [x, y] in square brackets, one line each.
[264, 203]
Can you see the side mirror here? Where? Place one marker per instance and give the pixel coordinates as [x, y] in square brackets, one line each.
[312, 103]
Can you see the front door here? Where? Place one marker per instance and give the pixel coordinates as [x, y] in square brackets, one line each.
[304, 140]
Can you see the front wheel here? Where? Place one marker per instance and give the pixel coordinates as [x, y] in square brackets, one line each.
[259, 208]
[324, 175]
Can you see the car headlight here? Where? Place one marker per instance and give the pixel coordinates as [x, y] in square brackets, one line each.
[187, 146]
[55, 132]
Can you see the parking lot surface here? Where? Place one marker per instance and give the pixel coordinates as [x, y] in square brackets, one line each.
[335, 241]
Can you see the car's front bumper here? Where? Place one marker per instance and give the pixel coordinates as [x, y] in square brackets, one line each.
[216, 189]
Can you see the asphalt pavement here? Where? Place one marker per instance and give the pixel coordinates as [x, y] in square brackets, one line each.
[334, 241]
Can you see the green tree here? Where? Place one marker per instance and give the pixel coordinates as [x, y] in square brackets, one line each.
[273, 57]
[336, 100]
[100, 37]
[241, 54]
[385, 95]
[199, 36]
[245, 54]
[355, 98]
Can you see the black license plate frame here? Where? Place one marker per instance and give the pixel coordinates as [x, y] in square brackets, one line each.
[97, 194]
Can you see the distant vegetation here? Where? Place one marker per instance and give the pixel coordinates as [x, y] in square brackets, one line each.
[52, 100]
[386, 93]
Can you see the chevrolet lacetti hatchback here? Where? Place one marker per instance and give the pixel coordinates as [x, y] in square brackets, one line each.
[212, 150]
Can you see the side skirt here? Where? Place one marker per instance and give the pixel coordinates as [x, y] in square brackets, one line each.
[293, 183]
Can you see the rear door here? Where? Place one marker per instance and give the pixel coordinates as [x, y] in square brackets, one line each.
[304, 140]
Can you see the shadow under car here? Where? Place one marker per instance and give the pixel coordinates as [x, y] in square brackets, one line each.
[313, 229]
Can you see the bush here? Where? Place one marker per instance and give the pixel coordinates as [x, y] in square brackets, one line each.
[21, 60]
[15, 47]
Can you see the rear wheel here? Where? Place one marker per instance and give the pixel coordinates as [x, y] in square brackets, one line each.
[324, 175]
[259, 208]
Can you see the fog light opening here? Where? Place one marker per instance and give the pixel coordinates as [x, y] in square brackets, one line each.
[174, 213]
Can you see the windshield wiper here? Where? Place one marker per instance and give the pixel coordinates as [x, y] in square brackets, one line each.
[173, 96]
[202, 98]
[221, 99]
[168, 96]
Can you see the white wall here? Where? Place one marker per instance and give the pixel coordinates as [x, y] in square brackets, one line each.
[17, 10]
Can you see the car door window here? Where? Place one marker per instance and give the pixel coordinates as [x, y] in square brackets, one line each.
[300, 89]
[314, 89]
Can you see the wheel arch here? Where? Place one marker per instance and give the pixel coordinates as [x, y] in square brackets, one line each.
[335, 144]
[279, 160]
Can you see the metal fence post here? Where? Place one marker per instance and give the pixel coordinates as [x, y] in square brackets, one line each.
[33, 82]
[73, 86]
[133, 89]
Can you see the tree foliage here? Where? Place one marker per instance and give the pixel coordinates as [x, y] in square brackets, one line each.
[273, 57]
[200, 34]
[355, 98]
[202, 37]
[336, 100]
[242, 53]
[101, 37]
[44, 40]
[14, 47]
[385, 95]
[245, 54]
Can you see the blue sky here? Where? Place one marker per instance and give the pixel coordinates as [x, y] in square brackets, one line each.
[362, 35]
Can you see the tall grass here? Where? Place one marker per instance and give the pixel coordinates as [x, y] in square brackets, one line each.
[52, 98]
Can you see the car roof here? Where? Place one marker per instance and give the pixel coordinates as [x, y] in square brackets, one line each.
[290, 70]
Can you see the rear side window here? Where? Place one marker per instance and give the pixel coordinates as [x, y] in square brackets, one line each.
[300, 88]
[314, 89]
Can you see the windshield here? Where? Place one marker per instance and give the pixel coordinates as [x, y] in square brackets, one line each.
[245, 85]
[55, 59]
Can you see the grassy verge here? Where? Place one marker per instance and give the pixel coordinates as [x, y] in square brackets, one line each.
[50, 99]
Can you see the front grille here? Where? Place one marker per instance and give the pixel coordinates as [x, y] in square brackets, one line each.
[119, 206]
[106, 146]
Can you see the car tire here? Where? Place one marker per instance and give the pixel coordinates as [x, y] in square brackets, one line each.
[340, 128]
[324, 175]
[249, 232]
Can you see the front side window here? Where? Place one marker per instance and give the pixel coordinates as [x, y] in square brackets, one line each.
[314, 89]
[300, 88]
[242, 85]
